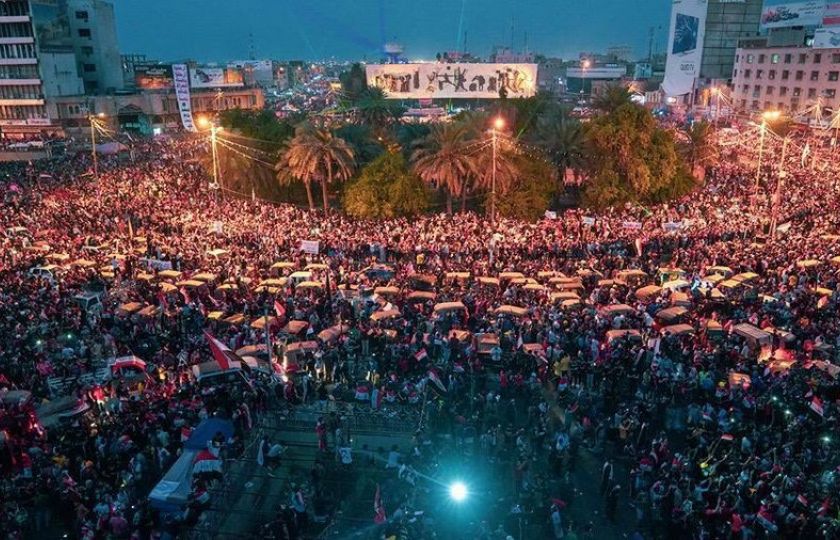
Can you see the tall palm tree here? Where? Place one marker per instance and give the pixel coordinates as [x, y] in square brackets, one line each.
[698, 146]
[373, 109]
[560, 137]
[315, 155]
[613, 97]
[446, 159]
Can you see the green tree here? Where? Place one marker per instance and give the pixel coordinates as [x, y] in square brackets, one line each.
[374, 110]
[631, 159]
[386, 188]
[560, 138]
[365, 144]
[353, 83]
[315, 155]
[531, 191]
[445, 159]
[612, 98]
[698, 147]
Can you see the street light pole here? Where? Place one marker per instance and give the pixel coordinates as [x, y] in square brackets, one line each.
[767, 115]
[498, 124]
[777, 196]
[93, 146]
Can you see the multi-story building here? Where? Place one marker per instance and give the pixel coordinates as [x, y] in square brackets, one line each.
[789, 79]
[94, 36]
[726, 23]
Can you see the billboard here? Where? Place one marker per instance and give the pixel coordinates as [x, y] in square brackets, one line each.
[51, 25]
[153, 76]
[685, 46]
[446, 81]
[827, 38]
[207, 77]
[783, 13]
[831, 15]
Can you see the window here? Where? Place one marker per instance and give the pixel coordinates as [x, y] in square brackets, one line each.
[833, 75]
[89, 68]
[817, 58]
[747, 73]
[815, 75]
[735, 73]
[756, 90]
[830, 93]
[782, 91]
[759, 73]
[755, 104]
[749, 59]
[761, 58]
[799, 75]
[787, 58]
[774, 58]
[769, 91]
[812, 92]
[84, 32]
[796, 91]
[771, 74]
[835, 58]
[785, 74]
[82, 15]
[746, 88]
[802, 58]
[737, 58]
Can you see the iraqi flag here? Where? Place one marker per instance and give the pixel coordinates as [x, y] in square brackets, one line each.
[206, 462]
[279, 309]
[436, 381]
[420, 355]
[817, 406]
[378, 509]
[221, 354]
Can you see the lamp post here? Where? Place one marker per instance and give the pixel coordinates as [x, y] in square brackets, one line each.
[717, 93]
[584, 65]
[498, 125]
[765, 116]
[206, 122]
[94, 123]
[780, 176]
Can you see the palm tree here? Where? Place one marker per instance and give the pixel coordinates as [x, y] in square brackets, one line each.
[560, 137]
[315, 155]
[698, 146]
[613, 97]
[446, 158]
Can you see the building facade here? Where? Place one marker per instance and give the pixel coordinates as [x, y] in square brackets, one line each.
[94, 35]
[727, 21]
[788, 79]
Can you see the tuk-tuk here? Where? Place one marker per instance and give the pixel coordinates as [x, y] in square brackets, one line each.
[666, 274]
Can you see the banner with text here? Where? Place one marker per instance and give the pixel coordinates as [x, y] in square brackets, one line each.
[446, 81]
[685, 46]
[181, 80]
[783, 13]
[826, 38]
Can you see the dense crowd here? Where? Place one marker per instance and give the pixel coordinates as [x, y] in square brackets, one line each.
[688, 346]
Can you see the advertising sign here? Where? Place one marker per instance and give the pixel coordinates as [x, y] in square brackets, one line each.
[215, 77]
[447, 81]
[783, 13]
[827, 38]
[181, 80]
[685, 46]
[153, 76]
[831, 16]
[52, 26]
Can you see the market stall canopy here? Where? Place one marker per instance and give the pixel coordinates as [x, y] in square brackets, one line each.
[449, 306]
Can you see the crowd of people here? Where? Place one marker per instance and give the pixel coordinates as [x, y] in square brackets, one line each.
[690, 347]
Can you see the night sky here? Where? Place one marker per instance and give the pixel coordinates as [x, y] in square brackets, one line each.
[218, 30]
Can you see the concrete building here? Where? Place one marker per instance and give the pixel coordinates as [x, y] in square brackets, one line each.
[148, 112]
[94, 33]
[726, 23]
[581, 79]
[789, 79]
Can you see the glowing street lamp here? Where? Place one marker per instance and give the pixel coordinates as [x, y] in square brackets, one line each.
[458, 491]
[585, 65]
[765, 116]
[498, 125]
[205, 122]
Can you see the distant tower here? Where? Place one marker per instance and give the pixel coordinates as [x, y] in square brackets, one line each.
[393, 51]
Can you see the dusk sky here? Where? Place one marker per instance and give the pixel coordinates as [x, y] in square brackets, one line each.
[218, 30]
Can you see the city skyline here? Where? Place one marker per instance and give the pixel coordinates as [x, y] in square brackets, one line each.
[341, 30]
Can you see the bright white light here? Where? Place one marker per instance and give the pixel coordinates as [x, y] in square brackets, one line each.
[458, 491]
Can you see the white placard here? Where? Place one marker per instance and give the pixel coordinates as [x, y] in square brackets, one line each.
[310, 246]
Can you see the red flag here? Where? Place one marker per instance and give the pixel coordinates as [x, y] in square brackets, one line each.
[435, 378]
[378, 509]
[420, 355]
[221, 354]
[817, 406]
[802, 500]
[279, 309]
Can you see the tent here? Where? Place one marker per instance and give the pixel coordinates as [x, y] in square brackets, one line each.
[172, 492]
[206, 430]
